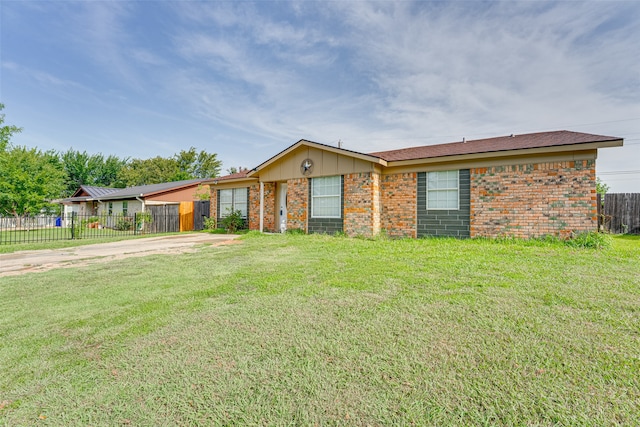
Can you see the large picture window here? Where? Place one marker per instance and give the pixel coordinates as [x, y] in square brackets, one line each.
[233, 199]
[326, 197]
[442, 190]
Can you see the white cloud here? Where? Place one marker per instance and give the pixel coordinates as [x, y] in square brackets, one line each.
[377, 75]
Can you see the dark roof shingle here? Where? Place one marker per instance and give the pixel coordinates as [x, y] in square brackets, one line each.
[488, 145]
[237, 175]
[145, 190]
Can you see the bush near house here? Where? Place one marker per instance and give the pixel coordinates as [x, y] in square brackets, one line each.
[233, 221]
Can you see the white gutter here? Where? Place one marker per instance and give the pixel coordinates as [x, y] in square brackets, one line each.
[141, 201]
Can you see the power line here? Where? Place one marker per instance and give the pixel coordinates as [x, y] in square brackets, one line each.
[619, 172]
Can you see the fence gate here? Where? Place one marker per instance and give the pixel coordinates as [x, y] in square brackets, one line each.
[200, 212]
[186, 216]
[166, 218]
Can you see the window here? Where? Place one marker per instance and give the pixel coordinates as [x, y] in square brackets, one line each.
[234, 199]
[110, 208]
[442, 190]
[125, 208]
[326, 197]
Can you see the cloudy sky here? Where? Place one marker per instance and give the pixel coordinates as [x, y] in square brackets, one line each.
[247, 79]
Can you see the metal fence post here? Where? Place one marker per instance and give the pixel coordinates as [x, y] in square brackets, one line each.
[73, 225]
[135, 223]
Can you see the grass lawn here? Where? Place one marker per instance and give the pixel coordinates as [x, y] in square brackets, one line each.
[51, 234]
[35, 245]
[304, 330]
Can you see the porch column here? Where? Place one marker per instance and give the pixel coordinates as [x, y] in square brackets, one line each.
[261, 206]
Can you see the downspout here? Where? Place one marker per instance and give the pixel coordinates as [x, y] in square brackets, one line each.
[141, 211]
[261, 206]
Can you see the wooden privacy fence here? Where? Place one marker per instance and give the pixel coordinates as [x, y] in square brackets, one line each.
[185, 216]
[165, 218]
[200, 212]
[619, 213]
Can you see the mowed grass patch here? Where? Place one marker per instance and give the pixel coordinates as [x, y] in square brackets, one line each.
[318, 329]
[7, 248]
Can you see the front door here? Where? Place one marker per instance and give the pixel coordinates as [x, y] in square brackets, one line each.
[282, 207]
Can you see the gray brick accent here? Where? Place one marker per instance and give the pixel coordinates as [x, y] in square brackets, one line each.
[450, 223]
[327, 225]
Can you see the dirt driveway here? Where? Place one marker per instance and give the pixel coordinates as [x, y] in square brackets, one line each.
[42, 260]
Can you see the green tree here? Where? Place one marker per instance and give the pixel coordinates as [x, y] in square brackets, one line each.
[150, 171]
[6, 131]
[90, 169]
[29, 180]
[203, 192]
[234, 169]
[601, 187]
[193, 164]
[109, 174]
[187, 164]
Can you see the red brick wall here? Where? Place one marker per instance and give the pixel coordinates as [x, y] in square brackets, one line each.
[361, 204]
[297, 203]
[376, 204]
[533, 200]
[399, 204]
[268, 207]
[213, 206]
[253, 213]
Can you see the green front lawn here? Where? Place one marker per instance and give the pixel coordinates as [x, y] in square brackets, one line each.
[304, 330]
[44, 244]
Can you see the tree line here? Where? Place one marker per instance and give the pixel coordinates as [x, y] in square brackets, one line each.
[31, 178]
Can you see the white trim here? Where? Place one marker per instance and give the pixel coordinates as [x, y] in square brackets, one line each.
[443, 190]
[339, 195]
[234, 203]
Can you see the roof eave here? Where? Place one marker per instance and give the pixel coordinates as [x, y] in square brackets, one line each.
[149, 194]
[168, 190]
[507, 153]
[232, 180]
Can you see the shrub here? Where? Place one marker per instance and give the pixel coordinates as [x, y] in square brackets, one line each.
[591, 239]
[232, 222]
[143, 221]
[210, 224]
[124, 224]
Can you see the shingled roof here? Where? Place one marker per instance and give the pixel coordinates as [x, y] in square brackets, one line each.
[105, 193]
[147, 190]
[237, 175]
[488, 145]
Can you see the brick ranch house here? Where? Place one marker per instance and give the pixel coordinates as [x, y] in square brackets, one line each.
[519, 185]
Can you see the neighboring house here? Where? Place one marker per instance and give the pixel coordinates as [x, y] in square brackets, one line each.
[519, 185]
[85, 200]
[126, 202]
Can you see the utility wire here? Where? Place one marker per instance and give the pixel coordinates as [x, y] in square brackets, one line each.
[619, 172]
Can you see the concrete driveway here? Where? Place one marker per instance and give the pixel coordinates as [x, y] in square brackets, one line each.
[42, 260]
